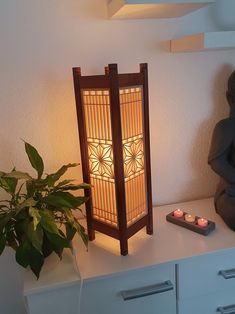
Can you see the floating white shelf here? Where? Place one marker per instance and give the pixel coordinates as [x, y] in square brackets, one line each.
[142, 9]
[204, 41]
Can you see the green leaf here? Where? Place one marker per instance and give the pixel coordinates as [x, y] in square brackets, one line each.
[35, 236]
[84, 186]
[29, 202]
[47, 222]
[81, 200]
[62, 183]
[8, 184]
[58, 243]
[30, 187]
[22, 253]
[35, 159]
[36, 261]
[18, 175]
[21, 226]
[69, 215]
[37, 185]
[64, 199]
[4, 219]
[82, 232]
[52, 178]
[34, 213]
[73, 187]
[47, 248]
[27, 255]
[70, 231]
[23, 214]
[2, 243]
[11, 240]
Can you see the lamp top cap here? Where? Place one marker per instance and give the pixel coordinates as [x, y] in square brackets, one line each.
[77, 70]
[113, 66]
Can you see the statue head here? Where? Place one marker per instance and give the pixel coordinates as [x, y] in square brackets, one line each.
[231, 90]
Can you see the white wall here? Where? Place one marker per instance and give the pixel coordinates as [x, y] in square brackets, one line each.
[42, 40]
[40, 43]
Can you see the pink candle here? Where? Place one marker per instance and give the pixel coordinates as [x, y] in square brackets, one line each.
[178, 213]
[202, 222]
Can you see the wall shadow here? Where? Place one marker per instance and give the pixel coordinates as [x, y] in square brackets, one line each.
[205, 182]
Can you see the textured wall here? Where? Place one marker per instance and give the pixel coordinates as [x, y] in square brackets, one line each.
[42, 40]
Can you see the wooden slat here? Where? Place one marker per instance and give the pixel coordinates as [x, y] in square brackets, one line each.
[144, 70]
[128, 80]
[96, 81]
[106, 229]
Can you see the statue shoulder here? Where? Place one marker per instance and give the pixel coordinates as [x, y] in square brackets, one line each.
[222, 138]
[225, 125]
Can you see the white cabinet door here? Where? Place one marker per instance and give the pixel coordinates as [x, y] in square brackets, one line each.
[207, 274]
[145, 291]
[55, 301]
[215, 303]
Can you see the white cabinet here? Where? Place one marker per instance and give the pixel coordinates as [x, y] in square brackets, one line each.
[146, 291]
[58, 289]
[216, 303]
[207, 283]
[172, 252]
[175, 271]
[57, 300]
[205, 274]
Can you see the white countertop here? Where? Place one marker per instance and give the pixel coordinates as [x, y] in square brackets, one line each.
[168, 243]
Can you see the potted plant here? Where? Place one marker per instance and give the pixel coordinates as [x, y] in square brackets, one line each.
[38, 216]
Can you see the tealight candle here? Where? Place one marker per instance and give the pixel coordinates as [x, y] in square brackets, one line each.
[178, 213]
[189, 218]
[202, 222]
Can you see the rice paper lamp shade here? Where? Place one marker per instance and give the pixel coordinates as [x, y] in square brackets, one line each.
[113, 122]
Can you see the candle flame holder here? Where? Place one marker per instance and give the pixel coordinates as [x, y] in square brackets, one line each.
[193, 226]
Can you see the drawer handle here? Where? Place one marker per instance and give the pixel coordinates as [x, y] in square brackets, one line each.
[227, 274]
[230, 309]
[148, 290]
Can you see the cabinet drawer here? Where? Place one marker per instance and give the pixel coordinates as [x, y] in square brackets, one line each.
[150, 290]
[202, 274]
[209, 304]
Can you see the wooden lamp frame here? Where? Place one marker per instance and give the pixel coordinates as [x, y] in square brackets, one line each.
[113, 82]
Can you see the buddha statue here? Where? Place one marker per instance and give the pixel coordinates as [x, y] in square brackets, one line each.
[222, 160]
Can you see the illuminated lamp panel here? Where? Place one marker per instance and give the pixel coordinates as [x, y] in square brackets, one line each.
[135, 198]
[96, 106]
[104, 201]
[131, 111]
[97, 114]
[133, 153]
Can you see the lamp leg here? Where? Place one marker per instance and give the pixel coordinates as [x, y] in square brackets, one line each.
[149, 229]
[124, 247]
[149, 226]
[91, 234]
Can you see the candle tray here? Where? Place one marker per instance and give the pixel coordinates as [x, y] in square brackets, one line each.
[193, 226]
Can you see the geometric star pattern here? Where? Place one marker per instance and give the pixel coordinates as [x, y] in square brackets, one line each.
[101, 159]
[133, 154]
